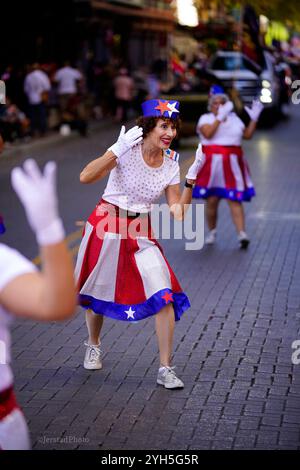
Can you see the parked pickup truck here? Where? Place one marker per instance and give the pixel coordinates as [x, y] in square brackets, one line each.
[238, 72]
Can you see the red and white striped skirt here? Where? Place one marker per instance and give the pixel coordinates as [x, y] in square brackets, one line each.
[121, 269]
[225, 174]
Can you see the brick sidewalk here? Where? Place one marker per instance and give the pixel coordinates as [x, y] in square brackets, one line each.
[232, 348]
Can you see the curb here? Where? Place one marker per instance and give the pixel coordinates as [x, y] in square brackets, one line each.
[51, 140]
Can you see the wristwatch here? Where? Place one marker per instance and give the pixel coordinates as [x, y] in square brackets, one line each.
[188, 185]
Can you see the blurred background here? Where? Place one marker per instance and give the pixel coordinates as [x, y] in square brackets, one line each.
[93, 59]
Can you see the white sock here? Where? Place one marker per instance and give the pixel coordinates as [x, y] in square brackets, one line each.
[95, 345]
[242, 235]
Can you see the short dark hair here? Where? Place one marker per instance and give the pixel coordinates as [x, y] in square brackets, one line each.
[149, 123]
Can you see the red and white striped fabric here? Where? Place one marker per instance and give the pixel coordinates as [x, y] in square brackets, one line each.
[121, 269]
[225, 174]
[14, 433]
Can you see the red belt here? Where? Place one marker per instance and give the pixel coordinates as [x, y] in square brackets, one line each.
[8, 402]
[107, 217]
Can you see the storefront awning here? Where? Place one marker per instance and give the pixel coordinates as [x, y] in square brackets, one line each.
[154, 13]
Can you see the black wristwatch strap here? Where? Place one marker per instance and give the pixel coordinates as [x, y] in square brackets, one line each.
[188, 185]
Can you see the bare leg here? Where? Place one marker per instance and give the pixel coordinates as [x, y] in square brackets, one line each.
[237, 214]
[94, 323]
[165, 322]
[212, 211]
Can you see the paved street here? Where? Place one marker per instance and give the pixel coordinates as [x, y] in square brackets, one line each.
[233, 348]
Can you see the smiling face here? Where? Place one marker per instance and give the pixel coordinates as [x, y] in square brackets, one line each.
[162, 134]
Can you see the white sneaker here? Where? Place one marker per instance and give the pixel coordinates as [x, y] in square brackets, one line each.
[243, 240]
[167, 377]
[211, 237]
[92, 358]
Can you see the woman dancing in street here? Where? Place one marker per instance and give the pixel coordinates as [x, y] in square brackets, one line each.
[121, 274]
[225, 173]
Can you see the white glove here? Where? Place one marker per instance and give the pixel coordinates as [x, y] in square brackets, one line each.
[127, 140]
[224, 110]
[197, 165]
[37, 192]
[255, 110]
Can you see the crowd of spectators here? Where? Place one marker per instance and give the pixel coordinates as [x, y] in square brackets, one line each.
[63, 97]
[45, 97]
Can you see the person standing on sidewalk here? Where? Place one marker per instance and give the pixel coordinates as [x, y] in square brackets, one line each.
[71, 99]
[124, 88]
[49, 295]
[225, 173]
[123, 274]
[36, 87]
[67, 79]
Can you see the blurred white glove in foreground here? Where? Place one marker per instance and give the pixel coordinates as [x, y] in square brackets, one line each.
[37, 192]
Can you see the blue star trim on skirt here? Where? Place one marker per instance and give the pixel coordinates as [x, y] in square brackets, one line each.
[232, 194]
[143, 310]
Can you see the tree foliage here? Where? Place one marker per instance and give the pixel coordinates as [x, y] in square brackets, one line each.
[277, 10]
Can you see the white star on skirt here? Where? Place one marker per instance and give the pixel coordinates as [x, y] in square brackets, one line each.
[130, 313]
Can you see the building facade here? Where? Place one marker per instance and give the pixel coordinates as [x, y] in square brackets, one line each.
[136, 31]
